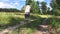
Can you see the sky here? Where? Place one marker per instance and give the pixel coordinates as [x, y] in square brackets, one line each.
[17, 3]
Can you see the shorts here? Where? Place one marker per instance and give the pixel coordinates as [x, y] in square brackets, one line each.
[27, 15]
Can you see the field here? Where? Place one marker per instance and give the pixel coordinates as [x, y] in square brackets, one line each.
[12, 18]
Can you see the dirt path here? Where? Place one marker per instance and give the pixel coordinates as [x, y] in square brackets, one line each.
[44, 29]
[10, 29]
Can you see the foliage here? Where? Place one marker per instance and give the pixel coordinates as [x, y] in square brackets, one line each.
[35, 7]
[54, 22]
[58, 3]
[48, 11]
[9, 10]
[44, 7]
[55, 6]
[57, 12]
[28, 2]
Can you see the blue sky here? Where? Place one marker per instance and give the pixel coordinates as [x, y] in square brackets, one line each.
[17, 3]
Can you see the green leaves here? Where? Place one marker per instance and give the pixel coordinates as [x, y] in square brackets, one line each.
[35, 7]
[44, 7]
[55, 7]
[58, 3]
[28, 2]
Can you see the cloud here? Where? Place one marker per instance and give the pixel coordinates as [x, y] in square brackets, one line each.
[11, 4]
[6, 5]
[22, 0]
[14, 3]
[18, 0]
[4, 0]
[39, 0]
[34, 0]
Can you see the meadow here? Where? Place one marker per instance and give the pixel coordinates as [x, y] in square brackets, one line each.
[12, 18]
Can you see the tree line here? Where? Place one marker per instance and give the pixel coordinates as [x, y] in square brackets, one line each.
[9, 10]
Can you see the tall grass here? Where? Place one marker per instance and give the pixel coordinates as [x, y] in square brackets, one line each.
[8, 18]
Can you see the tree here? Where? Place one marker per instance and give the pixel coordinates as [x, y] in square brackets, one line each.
[35, 7]
[44, 7]
[54, 6]
[9, 10]
[28, 2]
[58, 3]
[48, 11]
[38, 7]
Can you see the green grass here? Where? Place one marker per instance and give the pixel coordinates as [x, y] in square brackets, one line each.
[12, 18]
[9, 19]
[54, 22]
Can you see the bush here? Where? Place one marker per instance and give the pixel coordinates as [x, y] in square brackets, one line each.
[54, 22]
[57, 12]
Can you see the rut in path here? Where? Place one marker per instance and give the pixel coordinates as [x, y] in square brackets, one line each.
[44, 29]
[10, 29]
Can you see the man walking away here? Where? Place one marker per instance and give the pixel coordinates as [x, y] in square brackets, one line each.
[27, 12]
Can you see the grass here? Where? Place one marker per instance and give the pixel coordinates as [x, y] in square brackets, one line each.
[9, 19]
[54, 22]
[12, 18]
